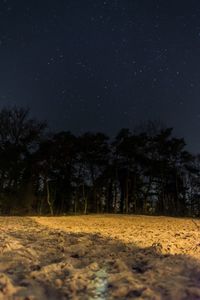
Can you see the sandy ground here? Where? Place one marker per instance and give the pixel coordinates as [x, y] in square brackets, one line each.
[99, 257]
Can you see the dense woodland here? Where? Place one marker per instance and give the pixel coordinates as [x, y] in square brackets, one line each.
[145, 171]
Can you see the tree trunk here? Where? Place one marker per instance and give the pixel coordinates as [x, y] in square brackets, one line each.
[115, 197]
[49, 199]
[85, 200]
[127, 197]
[122, 196]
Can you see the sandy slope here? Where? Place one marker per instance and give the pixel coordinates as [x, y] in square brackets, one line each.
[99, 257]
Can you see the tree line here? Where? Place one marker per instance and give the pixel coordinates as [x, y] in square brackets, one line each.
[144, 171]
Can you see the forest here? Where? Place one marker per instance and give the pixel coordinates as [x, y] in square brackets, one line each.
[144, 171]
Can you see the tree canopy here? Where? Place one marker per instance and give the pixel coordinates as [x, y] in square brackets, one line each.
[146, 171]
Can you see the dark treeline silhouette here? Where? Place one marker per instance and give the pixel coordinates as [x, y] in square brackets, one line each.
[147, 171]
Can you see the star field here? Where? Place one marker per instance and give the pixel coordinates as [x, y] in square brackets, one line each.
[102, 65]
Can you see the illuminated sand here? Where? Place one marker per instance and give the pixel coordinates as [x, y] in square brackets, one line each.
[99, 257]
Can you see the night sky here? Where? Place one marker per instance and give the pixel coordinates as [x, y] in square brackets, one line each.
[92, 65]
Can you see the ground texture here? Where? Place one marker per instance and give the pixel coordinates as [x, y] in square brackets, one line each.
[99, 257]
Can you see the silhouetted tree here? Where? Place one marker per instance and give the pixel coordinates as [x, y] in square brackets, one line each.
[93, 158]
[145, 171]
[19, 138]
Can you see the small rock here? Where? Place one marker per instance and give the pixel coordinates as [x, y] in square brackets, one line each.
[94, 267]
[58, 283]
[157, 247]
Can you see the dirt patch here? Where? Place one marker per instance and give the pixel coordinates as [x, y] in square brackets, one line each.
[99, 257]
[171, 235]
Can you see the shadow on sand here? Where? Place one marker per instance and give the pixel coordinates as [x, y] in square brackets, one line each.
[40, 263]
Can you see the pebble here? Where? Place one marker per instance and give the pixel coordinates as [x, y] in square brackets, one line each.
[58, 283]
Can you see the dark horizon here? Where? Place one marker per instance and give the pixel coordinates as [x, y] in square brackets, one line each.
[103, 65]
